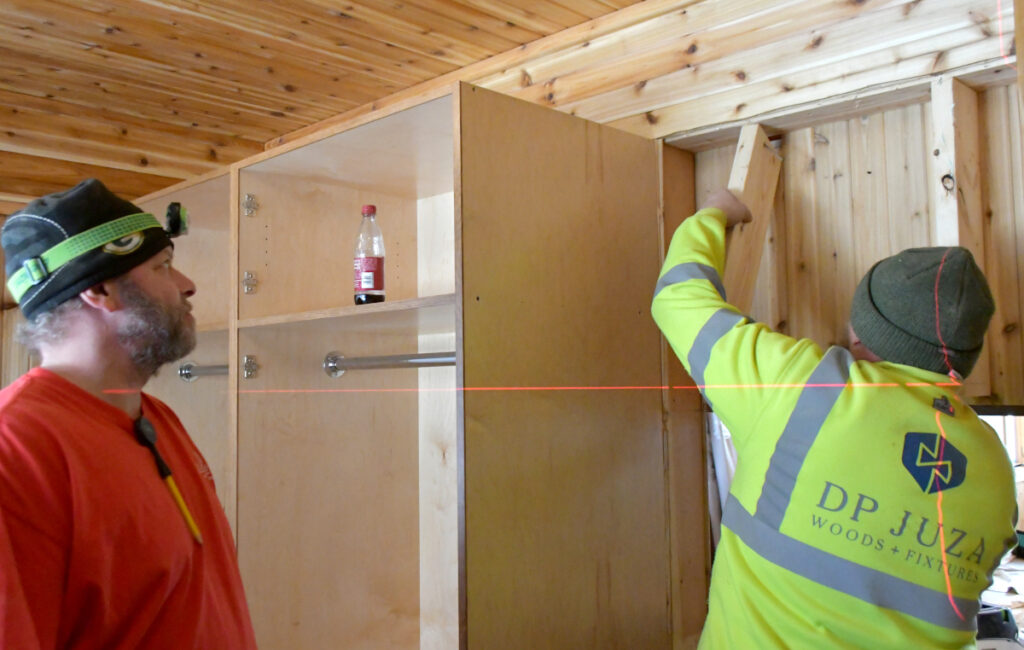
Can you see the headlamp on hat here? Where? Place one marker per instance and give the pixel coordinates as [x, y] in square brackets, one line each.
[36, 269]
[176, 222]
[61, 244]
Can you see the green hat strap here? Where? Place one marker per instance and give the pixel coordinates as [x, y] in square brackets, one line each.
[36, 269]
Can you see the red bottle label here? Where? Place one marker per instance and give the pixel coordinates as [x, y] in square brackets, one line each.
[369, 274]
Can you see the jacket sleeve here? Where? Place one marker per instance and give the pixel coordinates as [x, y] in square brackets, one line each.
[739, 365]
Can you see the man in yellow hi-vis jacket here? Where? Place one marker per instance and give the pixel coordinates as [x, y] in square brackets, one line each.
[870, 505]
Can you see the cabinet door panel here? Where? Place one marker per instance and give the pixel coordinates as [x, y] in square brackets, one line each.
[566, 542]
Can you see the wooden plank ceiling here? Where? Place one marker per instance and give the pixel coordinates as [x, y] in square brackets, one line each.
[144, 93]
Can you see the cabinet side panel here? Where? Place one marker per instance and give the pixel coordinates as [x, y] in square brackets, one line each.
[438, 446]
[687, 477]
[566, 542]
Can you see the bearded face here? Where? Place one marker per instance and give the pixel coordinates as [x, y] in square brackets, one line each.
[151, 332]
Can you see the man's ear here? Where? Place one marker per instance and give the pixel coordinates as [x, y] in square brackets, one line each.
[103, 296]
[860, 351]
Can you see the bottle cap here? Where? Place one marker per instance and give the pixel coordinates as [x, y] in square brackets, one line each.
[369, 209]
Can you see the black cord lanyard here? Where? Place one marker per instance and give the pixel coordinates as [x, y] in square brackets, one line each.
[146, 435]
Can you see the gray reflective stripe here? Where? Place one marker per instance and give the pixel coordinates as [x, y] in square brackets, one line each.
[717, 326]
[865, 583]
[690, 271]
[816, 400]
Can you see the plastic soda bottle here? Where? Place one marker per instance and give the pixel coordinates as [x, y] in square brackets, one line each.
[368, 260]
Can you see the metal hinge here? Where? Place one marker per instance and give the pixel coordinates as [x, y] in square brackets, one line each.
[249, 282]
[250, 205]
[249, 366]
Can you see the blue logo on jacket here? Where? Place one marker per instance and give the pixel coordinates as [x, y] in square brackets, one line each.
[934, 463]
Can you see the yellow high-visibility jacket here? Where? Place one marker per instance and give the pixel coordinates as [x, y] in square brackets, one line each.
[870, 505]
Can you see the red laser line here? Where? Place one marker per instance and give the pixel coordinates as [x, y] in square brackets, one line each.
[942, 443]
[938, 330]
[1002, 53]
[942, 533]
[572, 388]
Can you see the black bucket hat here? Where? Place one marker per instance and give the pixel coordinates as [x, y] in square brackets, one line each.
[61, 244]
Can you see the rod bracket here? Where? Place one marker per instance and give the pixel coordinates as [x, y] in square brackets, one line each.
[332, 364]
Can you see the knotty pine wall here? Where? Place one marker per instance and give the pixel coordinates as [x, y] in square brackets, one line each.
[855, 190]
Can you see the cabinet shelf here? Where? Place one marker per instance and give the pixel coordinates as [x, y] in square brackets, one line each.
[428, 315]
[213, 326]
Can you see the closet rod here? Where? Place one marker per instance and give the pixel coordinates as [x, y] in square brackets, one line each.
[189, 371]
[335, 363]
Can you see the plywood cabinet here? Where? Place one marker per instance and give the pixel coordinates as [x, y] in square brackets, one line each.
[516, 498]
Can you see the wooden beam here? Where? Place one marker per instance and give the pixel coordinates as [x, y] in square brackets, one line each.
[956, 188]
[864, 101]
[149, 104]
[89, 153]
[173, 121]
[99, 137]
[34, 176]
[754, 178]
[795, 73]
[1004, 241]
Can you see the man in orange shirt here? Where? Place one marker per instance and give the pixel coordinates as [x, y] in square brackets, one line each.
[110, 534]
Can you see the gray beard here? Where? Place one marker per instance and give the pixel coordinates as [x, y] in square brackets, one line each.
[153, 334]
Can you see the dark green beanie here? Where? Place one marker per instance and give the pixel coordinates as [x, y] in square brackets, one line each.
[895, 307]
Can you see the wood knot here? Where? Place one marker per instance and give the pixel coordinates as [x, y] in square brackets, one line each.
[948, 183]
